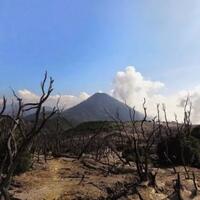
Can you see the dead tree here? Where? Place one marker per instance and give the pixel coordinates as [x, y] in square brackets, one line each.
[178, 188]
[195, 191]
[19, 135]
[139, 141]
[182, 131]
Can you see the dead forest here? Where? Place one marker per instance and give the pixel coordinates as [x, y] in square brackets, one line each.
[138, 150]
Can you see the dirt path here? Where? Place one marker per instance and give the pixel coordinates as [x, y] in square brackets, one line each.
[43, 184]
[62, 179]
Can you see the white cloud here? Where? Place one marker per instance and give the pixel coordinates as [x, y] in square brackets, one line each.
[28, 96]
[131, 87]
[195, 100]
[66, 101]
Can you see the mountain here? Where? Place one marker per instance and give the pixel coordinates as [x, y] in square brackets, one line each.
[99, 107]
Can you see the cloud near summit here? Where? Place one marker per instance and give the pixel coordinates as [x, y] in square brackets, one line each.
[132, 87]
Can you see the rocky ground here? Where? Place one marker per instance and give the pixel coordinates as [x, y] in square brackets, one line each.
[69, 179]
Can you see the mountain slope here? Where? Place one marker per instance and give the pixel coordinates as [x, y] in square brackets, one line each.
[97, 107]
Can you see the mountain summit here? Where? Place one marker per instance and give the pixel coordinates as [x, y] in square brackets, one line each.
[99, 107]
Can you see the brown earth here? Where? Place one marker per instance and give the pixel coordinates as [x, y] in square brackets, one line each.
[68, 179]
[62, 179]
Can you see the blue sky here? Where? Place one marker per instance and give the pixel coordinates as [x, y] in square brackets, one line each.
[84, 43]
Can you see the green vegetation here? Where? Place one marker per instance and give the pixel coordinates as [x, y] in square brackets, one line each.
[93, 126]
[24, 163]
[196, 132]
[179, 151]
